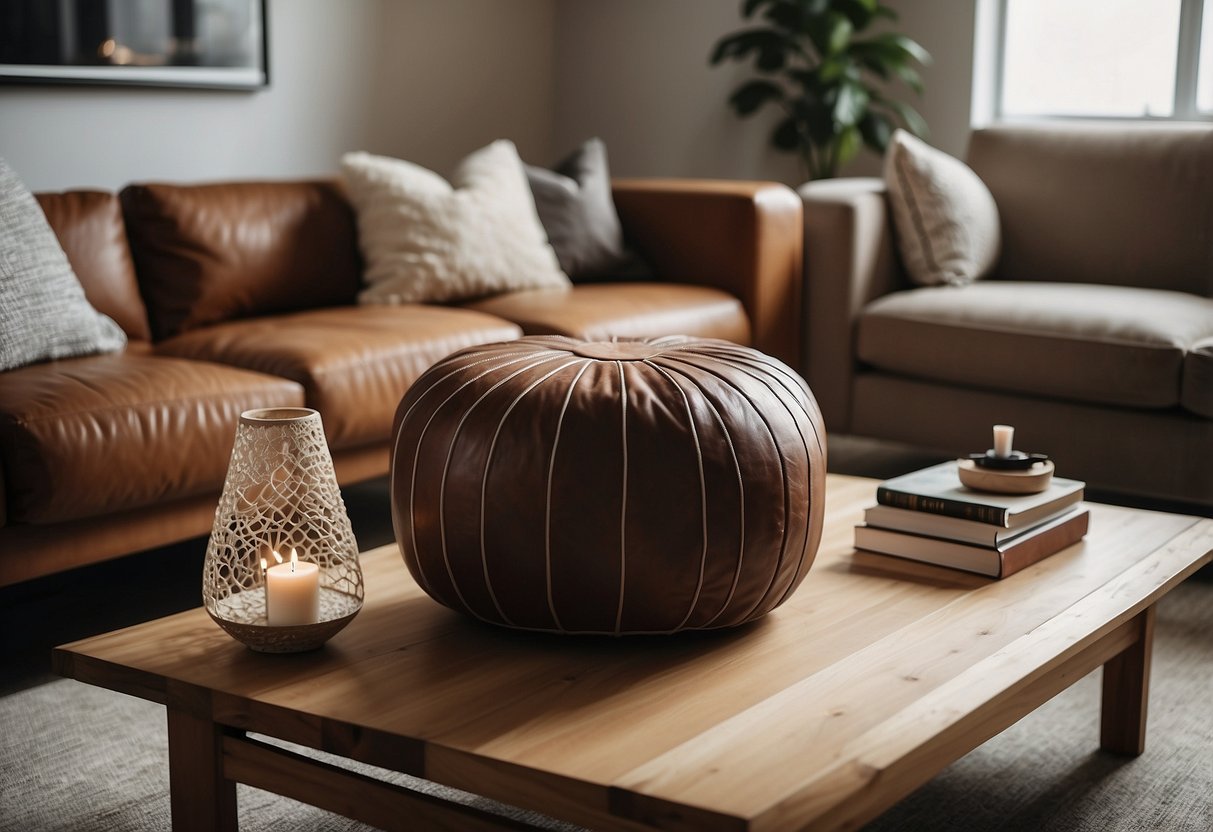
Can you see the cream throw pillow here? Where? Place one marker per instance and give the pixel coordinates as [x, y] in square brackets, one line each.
[944, 215]
[424, 240]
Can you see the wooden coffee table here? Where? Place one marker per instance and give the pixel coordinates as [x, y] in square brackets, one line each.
[870, 680]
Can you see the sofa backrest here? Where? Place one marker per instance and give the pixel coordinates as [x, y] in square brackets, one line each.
[1126, 205]
[90, 230]
[210, 253]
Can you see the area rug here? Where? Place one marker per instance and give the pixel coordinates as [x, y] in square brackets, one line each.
[75, 757]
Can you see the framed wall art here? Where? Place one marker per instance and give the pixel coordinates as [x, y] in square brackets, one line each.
[217, 44]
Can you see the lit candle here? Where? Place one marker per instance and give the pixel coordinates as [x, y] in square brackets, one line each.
[1003, 435]
[292, 592]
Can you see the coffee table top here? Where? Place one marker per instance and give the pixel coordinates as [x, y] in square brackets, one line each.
[867, 681]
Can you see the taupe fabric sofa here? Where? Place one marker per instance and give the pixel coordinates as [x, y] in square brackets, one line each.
[1093, 336]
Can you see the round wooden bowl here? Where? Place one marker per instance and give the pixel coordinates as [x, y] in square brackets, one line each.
[1030, 481]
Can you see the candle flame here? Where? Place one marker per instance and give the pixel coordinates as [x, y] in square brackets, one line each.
[277, 556]
[264, 565]
[294, 558]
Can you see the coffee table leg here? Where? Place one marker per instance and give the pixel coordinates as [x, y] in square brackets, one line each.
[201, 797]
[1126, 693]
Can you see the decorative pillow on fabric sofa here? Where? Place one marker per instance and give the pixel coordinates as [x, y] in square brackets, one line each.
[43, 312]
[577, 211]
[424, 240]
[946, 221]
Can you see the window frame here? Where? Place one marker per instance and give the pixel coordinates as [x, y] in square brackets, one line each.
[1187, 59]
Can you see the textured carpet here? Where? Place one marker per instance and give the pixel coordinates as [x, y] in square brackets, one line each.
[74, 757]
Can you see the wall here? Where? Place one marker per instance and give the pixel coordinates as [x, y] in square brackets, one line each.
[429, 80]
[635, 72]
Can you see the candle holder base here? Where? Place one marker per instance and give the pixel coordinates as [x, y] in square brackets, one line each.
[242, 616]
[1030, 480]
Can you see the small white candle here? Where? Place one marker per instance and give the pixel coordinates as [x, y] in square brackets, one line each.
[292, 592]
[1003, 436]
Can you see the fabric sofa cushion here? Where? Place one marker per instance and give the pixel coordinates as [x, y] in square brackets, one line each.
[1119, 204]
[354, 362]
[945, 218]
[1197, 390]
[211, 253]
[88, 436]
[575, 206]
[426, 241]
[1104, 344]
[44, 313]
[90, 228]
[633, 310]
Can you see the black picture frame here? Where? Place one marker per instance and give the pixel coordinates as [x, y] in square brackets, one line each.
[82, 42]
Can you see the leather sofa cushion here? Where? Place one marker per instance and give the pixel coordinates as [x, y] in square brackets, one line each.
[1104, 344]
[354, 362]
[87, 436]
[211, 253]
[90, 230]
[634, 310]
[1111, 204]
[1197, 391]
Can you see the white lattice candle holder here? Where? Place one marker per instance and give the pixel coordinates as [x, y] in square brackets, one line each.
[280, 496]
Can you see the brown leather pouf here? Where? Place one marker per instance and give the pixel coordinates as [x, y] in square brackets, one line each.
[615, 487]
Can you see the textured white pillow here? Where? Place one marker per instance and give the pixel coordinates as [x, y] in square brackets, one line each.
[944, 215]
[44, 314]
[424, 240]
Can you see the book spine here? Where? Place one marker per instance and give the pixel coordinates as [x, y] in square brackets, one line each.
[1041, 546]
[994, 515]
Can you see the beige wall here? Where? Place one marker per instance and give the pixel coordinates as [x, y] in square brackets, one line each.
[430, 80]
[635, 72]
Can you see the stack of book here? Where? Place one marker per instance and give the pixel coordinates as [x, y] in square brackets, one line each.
[929, 516]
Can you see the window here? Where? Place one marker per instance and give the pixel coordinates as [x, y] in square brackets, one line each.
[1148, 59]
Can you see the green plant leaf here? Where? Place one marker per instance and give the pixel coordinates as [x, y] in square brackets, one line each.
[832, 69]
[786, 135]
[913, 122]
[849, 104]
[906, 45]
[816, 115]
[765, 41]
[830, 33]
[846, 145]
[787, 15]
[876, 130]
[911, 77]
[753, 94]
[750, 6]
[859, 12]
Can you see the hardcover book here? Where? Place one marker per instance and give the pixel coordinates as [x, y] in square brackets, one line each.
[947, 528]
[938, 490]
[996, 561]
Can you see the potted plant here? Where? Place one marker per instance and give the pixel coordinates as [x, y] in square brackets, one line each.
[818, 63]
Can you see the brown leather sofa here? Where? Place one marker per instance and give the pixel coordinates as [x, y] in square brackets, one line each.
[241, 295]
[1093, 336]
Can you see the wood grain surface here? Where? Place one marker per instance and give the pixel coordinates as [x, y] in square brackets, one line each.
[873, 677]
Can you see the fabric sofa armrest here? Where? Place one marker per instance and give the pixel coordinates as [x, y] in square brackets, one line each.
[849, 261]
[742, 237]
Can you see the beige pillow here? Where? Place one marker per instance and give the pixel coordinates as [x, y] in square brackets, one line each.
[424, 240]
[944, 215]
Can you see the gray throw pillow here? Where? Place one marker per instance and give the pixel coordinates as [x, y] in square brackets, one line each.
[577, 211]
[43, 312]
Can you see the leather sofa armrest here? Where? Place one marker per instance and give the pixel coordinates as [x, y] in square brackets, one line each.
[741, 237]
[849, 261]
